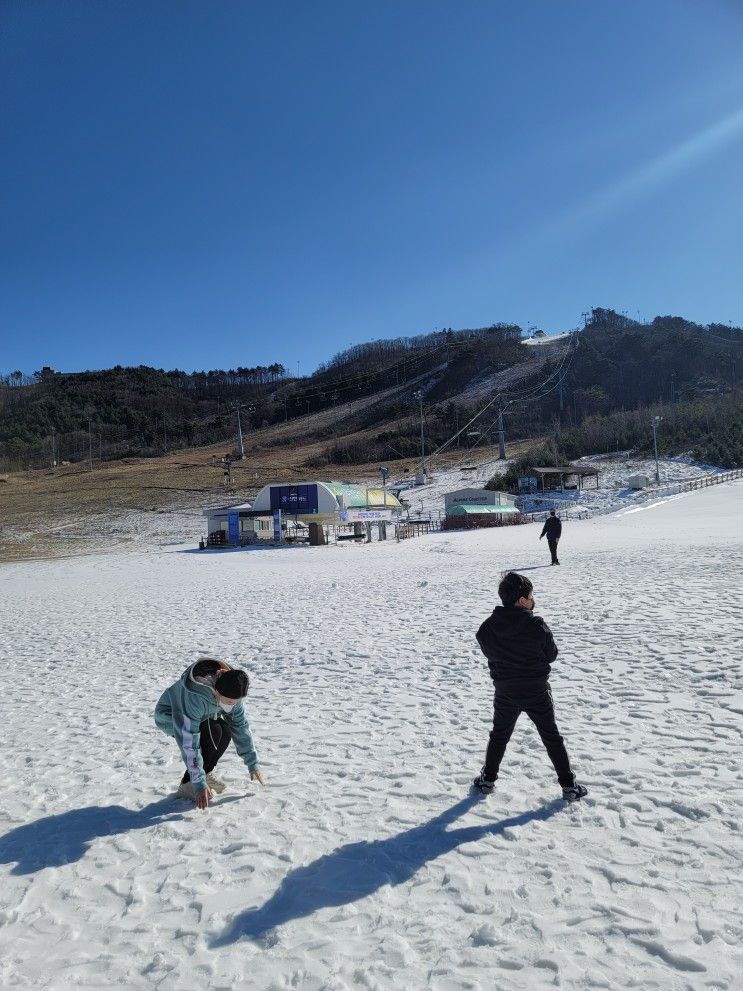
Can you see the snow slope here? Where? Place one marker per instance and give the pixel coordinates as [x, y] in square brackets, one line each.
[366, 862]
[611, 496]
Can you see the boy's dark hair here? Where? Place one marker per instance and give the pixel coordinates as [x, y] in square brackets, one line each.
[205, 666]
[512, 587]
[232, 684]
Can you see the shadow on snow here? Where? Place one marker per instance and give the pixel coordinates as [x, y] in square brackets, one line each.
[61, 839]
[531, 567]
[357, 870]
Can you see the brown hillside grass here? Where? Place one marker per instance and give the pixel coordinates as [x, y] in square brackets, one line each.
[69, 510]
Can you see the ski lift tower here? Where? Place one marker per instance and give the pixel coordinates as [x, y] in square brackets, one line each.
[384, 472]
[421, 476]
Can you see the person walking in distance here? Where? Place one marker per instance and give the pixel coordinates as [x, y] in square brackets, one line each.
[520, 650]
[552, 530]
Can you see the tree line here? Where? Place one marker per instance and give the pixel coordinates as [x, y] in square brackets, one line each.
[617, 367]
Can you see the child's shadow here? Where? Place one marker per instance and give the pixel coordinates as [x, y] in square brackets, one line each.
[356, 870]
[64, 838]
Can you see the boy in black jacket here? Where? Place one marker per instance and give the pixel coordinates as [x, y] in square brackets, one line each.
[520, 649]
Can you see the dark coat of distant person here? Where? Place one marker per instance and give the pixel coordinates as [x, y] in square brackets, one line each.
[552, 529]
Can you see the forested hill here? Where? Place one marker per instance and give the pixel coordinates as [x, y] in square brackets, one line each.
[613, 368]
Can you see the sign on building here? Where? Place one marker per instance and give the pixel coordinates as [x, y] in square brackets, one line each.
[300, 500]
[364, 515]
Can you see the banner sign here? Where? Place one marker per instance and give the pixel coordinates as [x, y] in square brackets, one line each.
[277, 525]
[365, 515]
[233, 528]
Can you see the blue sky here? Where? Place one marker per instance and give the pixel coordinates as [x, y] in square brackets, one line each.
[206, 185]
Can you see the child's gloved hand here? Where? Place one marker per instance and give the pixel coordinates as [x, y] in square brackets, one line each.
[255, 775]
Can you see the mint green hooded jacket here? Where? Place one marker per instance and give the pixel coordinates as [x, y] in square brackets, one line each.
[181, 710]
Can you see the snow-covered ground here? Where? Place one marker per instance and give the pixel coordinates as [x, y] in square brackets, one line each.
[366, 863]
[549, 339]
[611, 496]
[138, 530]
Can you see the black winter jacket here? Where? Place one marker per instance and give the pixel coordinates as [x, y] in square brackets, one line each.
[552, 528]
[520, 649]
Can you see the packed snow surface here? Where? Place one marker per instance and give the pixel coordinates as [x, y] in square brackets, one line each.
[366, 862]
[611, 495]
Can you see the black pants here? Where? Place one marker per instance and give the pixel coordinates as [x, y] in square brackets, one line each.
[215, 738]
[552, 541]
[539, 709]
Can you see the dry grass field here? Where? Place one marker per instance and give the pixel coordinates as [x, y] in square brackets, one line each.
[73, 510]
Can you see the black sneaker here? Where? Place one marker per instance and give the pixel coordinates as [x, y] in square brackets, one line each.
[574, 793]
[483, 785]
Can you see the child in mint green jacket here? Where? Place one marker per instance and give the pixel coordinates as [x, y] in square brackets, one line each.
[203, 711]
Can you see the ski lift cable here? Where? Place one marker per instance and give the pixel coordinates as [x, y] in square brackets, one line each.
[523, 399]
[413, 357]
[529, 394]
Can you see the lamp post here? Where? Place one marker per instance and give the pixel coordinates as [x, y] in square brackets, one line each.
[419, 396]
[654, 424]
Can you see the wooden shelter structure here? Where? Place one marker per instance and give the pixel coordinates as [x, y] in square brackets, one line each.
[566, 471]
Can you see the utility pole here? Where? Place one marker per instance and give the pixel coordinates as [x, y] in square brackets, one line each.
[250, 409]
[54, 452]
[654, 424]
[419, 396]
[501, 437]
[240, 435]
[90, 445]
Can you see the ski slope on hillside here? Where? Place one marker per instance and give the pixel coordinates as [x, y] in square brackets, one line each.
[366, 862]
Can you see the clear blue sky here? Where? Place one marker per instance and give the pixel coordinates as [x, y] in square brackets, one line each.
[212, 184]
